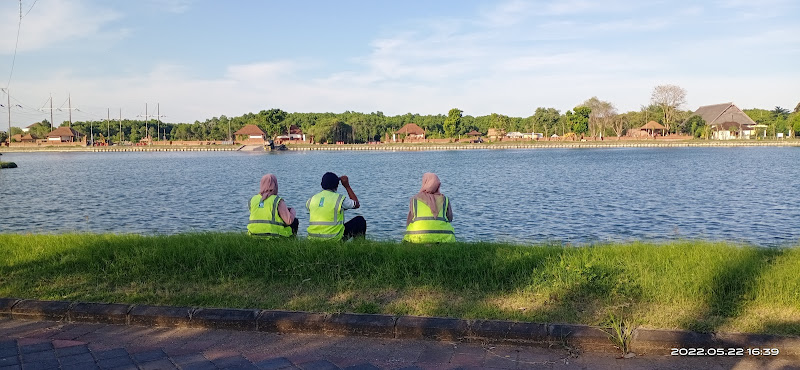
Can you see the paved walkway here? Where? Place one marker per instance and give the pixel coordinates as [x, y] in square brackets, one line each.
[54, 345]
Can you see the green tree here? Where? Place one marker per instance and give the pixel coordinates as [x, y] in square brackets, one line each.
[696, 125]
[794, 120]
[779, 112]
[500, 122]
[40, 129]
[545, 119]
[331, 130]
[452, 123]
[3, 136]
[579, 119]
[272, 120]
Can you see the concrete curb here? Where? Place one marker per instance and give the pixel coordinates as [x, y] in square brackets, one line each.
[386, 326]
[6, 304]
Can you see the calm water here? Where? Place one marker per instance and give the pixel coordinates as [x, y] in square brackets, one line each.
[566, 195]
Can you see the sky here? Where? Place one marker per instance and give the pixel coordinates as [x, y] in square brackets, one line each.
[198, 59]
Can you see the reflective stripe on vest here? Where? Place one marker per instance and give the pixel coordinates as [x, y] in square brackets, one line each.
[425, 227]
[326, 216]
[265, 221]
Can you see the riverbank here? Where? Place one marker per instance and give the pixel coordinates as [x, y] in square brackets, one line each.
[696, 286]
[543, 145]
[611, 143]
[154, 148]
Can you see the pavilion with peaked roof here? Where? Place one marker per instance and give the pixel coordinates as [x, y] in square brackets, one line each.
[412, 131]
[251, 132]
[652, 126]
[63, 134]
[726, 120]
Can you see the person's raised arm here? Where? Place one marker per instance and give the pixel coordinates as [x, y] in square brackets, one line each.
[346, 183]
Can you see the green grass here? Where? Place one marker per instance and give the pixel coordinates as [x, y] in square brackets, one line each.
[683, 285]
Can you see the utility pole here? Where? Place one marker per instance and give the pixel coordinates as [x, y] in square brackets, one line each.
[8, 94]
[146, 129]
[108, 124]
[51, 111]
[158, 116]
[120, 126]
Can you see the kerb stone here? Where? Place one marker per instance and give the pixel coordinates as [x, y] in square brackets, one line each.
[582, 335]
[106, 313]
[160, 316]
[508, 331]
[360, 324]
[224, 318]
[439, 328]
[291, 321]
[41, 310]
[663, 340]
[5, 306]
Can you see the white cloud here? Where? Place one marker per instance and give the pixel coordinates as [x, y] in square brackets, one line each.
[478, 64]
[52, 22]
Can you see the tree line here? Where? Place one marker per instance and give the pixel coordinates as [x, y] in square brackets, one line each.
[592, 118]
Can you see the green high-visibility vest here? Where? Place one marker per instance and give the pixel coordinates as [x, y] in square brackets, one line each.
[326, 221]
[264, 218]
[425, 227]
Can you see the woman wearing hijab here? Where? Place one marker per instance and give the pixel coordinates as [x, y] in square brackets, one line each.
[269, 216]
[430, 214]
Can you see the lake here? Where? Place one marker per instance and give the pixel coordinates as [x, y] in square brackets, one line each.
[577, 196]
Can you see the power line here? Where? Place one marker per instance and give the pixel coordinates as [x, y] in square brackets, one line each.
[14, 59]
[29, 9]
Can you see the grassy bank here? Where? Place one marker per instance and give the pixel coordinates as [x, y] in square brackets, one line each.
[8, 165]
[686, 285]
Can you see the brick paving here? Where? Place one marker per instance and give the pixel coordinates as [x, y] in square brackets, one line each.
[55, 345]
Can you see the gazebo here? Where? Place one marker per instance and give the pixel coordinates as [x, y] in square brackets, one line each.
[652, 126]
[474, 133]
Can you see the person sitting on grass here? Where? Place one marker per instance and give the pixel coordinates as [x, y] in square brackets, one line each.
[269, 215]
[326, 211]
[430, 215]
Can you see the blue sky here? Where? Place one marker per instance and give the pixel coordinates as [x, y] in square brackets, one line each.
[201, 59]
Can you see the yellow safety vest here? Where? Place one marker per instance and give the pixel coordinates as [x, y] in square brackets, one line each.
[428, 228]
[326, 221]
[264, 218]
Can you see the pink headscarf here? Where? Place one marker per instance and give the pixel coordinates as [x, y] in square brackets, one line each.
[269, 186]
[430, 189]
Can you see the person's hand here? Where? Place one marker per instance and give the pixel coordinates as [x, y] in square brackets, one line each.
[345, 181]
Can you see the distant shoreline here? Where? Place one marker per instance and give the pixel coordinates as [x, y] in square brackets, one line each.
[426, 146]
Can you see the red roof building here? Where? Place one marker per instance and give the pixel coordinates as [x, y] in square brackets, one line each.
[63, 134]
